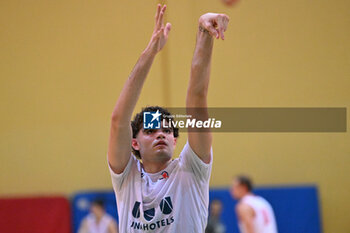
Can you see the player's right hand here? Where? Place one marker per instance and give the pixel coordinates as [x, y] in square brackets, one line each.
[160, 32]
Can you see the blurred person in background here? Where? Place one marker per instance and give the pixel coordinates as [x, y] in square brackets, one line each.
[254, 213]
[214, 222]
[98, 221]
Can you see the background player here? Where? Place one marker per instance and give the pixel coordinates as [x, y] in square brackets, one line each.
[255, 214]
[214, 222]
[98, 221]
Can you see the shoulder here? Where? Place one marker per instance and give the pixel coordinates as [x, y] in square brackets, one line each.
[107, 216]
[84, 222]
[188, 153]
[131, 168]
[89, 217]
[264, 202]
[112, 223]
[244, 209]
[241, 206]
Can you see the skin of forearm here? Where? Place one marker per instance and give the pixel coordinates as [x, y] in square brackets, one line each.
[200, 69]
[130, 93]
[121, 132]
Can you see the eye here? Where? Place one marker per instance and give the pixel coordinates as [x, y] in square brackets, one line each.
[168, 131]
[149, 131]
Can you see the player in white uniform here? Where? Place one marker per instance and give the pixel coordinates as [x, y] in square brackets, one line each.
[98, 221]
[160, 194]
[255, 214]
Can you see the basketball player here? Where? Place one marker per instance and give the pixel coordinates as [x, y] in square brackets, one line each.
[214, 222]
[255, 214]
[98, 221]
[160, 194]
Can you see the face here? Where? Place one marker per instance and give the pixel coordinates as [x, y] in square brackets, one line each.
[155, 145]
[215, 208]
[237, 190]
[97, 210]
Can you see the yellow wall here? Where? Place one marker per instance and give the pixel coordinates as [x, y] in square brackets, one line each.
[63, 64]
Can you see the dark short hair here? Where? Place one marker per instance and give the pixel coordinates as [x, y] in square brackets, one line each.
[245, 181]
[137, 123]
[98, 202]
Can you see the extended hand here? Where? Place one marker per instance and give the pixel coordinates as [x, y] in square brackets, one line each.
[215, 24]
[160, 32]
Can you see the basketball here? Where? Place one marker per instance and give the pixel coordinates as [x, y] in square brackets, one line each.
[230, 2]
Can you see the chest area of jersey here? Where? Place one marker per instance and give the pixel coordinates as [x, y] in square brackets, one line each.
[155, 207]
[157, 215]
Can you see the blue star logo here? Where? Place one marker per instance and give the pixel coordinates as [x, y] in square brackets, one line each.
[151, 120]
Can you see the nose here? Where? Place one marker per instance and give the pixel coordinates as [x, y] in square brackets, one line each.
[160, 134]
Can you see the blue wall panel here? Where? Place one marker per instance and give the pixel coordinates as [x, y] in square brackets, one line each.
[296, 207]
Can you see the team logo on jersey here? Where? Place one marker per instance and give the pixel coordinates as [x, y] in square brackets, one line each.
[166, 206]
[165, 175]
[151, 120]
[149, 214]
[136, 210]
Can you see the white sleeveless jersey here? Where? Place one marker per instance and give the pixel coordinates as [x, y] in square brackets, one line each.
[101, 227]
[264, 221]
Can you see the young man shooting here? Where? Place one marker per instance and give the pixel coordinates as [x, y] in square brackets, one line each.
[160, 194]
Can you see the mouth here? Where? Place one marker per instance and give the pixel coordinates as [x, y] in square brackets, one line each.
[160, 143]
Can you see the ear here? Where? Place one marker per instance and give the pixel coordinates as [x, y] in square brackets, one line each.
[175, 141]
[135, 144]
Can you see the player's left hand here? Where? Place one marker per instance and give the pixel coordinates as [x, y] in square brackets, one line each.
[215, 24]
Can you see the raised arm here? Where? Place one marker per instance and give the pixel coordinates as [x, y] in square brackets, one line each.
[119, 150]
[210, 25]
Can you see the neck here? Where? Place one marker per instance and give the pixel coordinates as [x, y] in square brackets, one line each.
[248, 194]
[244, 195]
[154, 167]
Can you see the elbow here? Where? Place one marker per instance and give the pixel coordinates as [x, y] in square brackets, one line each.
[115, 117]
[198, 92]
[196, 100]
[118, 121]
